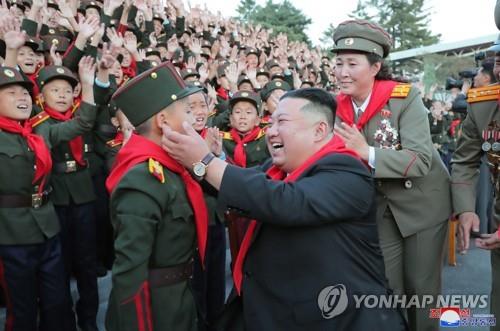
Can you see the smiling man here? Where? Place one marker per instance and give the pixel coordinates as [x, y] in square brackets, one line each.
[314, 222]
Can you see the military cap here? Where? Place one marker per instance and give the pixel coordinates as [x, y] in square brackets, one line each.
[245, 96]
[206, 44]
[92, 4]
[272, 63]
[36, 44]
[9, 76]
[62, 43]
[361, 35]
[153, 51]
[19, 4]
[53, 4]
[27, 3]
[158, 17]
[189, 73]
[243, 79]
[271, 86]
[50, 73]
[496, 46]
[263, 72]
[211, 25]
[162, 85]
[278, 75]
[308, 82]
[206, 53]
[252, 51]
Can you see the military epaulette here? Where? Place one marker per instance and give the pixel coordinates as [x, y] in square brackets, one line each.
[227, 136]
[212, 114]
[262, 133]
[39, 119]
[401, 91]
[114, 143]
[156, 169]
[486, 93]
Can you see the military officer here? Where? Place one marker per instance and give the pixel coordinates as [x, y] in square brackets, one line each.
[152, 211]
[245, 143]
[480, 136]
[387, 124]
[31, 263]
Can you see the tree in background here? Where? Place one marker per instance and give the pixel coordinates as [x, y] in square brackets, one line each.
[281, 17]
[405, 20]
[327, 38]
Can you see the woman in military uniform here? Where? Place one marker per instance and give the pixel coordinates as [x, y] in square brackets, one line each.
[387, 124]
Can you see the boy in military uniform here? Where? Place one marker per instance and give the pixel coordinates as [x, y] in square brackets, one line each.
[157, 211]
[245, 143]
[73, 195]
[31, 265]
[271, 95]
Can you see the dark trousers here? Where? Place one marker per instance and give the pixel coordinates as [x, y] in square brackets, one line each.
[209, 284]
[78, 237]
[105, 252]
[33, 279]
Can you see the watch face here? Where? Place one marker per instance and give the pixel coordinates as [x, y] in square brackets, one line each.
[199, 169]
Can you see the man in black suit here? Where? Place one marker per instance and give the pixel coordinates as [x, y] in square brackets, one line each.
[315, 242]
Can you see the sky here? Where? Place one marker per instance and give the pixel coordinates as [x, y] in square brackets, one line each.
[454, 20]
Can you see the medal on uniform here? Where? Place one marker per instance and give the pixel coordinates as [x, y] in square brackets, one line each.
[386, 136]
[486, 146]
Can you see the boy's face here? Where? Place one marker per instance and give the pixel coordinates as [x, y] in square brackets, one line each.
[15, 102]
[199, 108]
[177, 113]
[58, 95]
[27, 60]
[244, 117]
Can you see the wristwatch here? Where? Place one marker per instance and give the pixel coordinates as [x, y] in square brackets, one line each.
[200, 168]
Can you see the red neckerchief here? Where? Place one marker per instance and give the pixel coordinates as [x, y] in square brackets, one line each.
[221, 92]
[203, 133]
[131, 70]
[139, 149]
[76, 144]
[453, 127]
[36, 143]
[381, 93]
[240, 156]
[334, 146]
[36, 89]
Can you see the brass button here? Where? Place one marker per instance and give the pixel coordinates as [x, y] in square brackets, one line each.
[174, 97]
[408, 184]
[154, 75]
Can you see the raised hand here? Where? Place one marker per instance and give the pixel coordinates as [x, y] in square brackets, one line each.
[65, 9]
[12, 35]
[88, 26]
[115, 38]
[214, 140]
[191, 64]
[130, 44]
[107, 59]
[152, 40]
[86, 71]
[97, 37]
[232, 73]
[172, 45]
[111, 5]
[56, 57]
[203, 71]
[195, 46]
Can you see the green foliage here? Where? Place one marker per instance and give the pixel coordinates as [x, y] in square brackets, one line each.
[405, 20]
[281, 17]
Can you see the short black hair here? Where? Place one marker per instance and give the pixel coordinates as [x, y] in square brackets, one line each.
[318, 98]
[487, 66]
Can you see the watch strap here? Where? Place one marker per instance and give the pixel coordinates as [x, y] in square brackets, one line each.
[208, 158]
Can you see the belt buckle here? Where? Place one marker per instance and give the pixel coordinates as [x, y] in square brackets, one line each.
[70, 166]
[36, 200]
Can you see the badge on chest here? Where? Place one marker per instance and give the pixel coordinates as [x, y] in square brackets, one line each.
[386, 135]
[491, 138]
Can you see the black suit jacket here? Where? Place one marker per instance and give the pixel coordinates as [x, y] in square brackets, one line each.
[316, 232]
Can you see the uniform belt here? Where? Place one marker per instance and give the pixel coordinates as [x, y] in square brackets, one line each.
[107, 129]
[160, 277]
[36, 200]
[68, 167]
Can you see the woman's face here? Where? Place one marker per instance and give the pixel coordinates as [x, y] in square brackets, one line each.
[355, 75]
